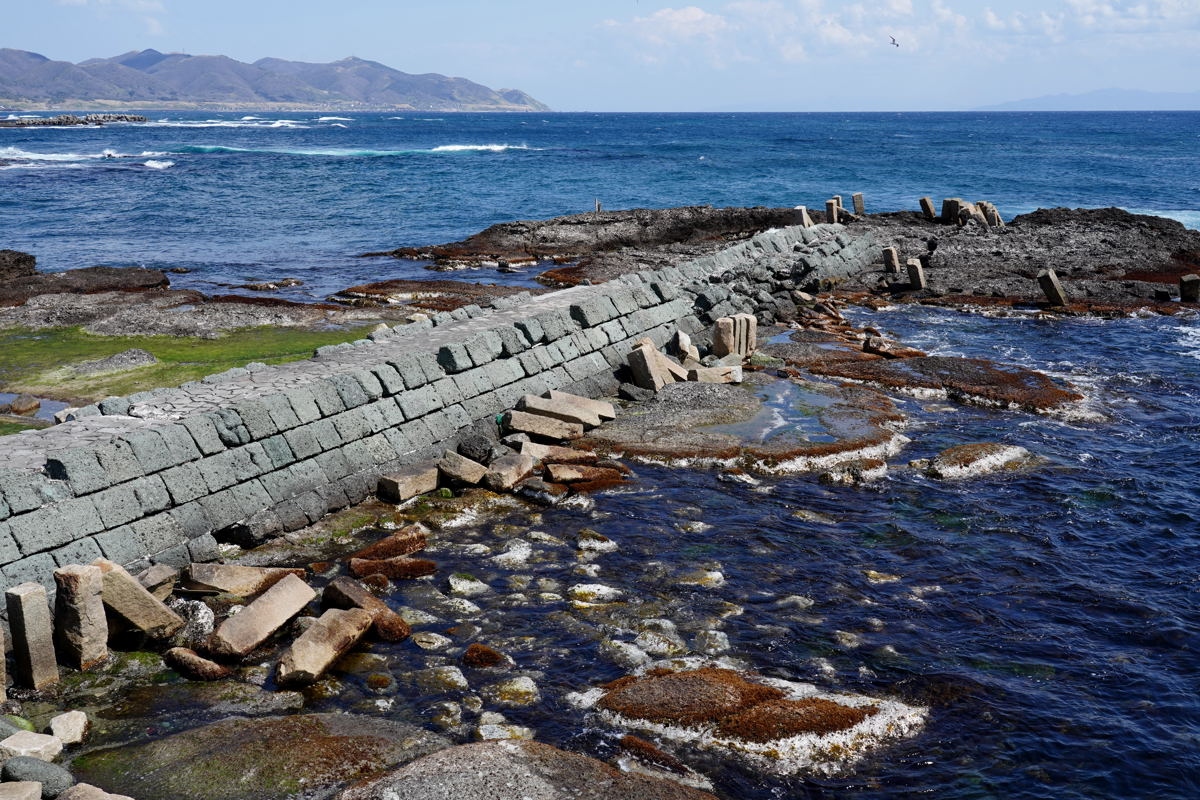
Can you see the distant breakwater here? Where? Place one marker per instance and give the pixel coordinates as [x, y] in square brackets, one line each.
[64, 120]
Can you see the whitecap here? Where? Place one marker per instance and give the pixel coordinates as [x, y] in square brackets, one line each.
[154, 164]
[485, 148]
[335, 119]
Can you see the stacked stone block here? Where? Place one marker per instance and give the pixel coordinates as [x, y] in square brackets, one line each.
[257, 451]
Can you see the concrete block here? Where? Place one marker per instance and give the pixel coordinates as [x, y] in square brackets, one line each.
[916, 274]
[22, 490]
[512, 340]
[322, 644]
[278, 451]
[222, 509]
[370, 384]
[158, 532]
[283, 416]
[325, 433]
[118, 461]
[250, 627]
[204, 433]
[345, 592]
[832, 206]
[304, 404]
[185, 483]
[327, 398]
[891, 260]
[151, 494]
[120, 545]
[950, 209]
[256, 417]
[506, 472]
[34, 663]
[531, 329]
[150, 450]
[27, 744]
[117, 505]
[351, 425]
[595, 310]
[540, 426]
[236, 579]
[81, 628]
[349, 390]
[927, 209]
[484, 347]
[80, 551]
[419, 402]
[80, 468]
[454, 358]
[159, 580]
[55, 525]
[1052, 287]
[1189, 289]
[459, 470]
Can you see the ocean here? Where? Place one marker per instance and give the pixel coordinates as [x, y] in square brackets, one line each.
[1049, 618]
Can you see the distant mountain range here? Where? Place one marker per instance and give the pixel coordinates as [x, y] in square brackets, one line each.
[150, 79]
[1105, 100]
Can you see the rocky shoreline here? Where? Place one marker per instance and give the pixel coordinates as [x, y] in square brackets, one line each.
[67, 120]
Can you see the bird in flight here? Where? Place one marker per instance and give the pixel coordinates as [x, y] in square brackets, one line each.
[894, 42]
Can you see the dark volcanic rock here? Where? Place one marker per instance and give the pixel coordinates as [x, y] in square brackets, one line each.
[14, 264]
[90, 280]
[569, 238]
[1102, 255]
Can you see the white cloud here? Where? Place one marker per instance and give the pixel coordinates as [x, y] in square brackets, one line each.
[673, 25]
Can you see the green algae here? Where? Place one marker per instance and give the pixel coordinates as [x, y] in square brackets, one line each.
[38, 361]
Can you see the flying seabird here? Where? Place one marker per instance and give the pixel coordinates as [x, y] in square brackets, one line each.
[893, 38]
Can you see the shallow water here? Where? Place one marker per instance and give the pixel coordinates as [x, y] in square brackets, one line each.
[1048, 618]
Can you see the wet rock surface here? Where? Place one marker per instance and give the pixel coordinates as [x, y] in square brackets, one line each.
[308, 755]
[529, 770]
[432, 295]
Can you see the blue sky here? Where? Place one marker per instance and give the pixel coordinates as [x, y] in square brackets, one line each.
[640, 55]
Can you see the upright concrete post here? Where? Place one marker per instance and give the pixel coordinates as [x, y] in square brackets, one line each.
[81, 629]
[950, 207]
[34, 663]
[802, 217]
[916, 274]
[1189, 289]
[724, 338]
[891, 259]
[1052, 287]
[838, 199]
[831, 210]
[860, 206]
[927, 208]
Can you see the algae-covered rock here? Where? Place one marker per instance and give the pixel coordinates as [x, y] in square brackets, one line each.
[273, 757]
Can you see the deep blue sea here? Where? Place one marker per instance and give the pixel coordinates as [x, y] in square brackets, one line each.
[1049, 618]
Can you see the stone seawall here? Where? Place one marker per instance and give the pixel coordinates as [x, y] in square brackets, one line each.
[248, 454]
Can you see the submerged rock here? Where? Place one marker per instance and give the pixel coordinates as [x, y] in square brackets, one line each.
[972, 460]
[777, 726]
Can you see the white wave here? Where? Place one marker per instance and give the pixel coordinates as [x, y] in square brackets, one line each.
[1189, 340]
[337, 125]
[335, 119]
[153, 164]
[247, 119]
[488, 148]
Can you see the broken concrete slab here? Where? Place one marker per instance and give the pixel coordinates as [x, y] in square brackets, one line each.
[132, 603]
[537, 425]
[460, 470]
[159, 580]
[254, 624]
[408, 482]
[316, 650]
[345, 592]
[601, 408]
[575, 473]
[236, 579]
[561, 409]
[507, 471]
[558, 454]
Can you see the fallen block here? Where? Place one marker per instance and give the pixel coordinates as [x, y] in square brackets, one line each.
[408, 482]
[460, 470]
[33, 745]
[159, 580]
[927, 209]
[131, 602]
[345, 592]
[1189, 289]
[1052, 287]
[537, 425]
[647, 371]
[716, 375]
[327, 640]
[602, 409]
[236, 580]
[802, 217]
[561, 409]
[399, 568]
[250, 627]
[406, 541]
[916, 274]
[556, 453]
[507, 471]
[575, 473]
[194, 666]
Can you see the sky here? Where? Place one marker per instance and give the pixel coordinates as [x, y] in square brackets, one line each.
[640, 55]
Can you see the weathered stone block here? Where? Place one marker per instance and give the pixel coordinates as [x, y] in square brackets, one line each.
[236, 579]
[345, 592]
[327, 640]
[250, 627]
[1052, 287]
[419, 402]
[459, 470]
[1189, 289]
[506, 472]
[539, 426]
[150, 450]
[27, 744]
[80, 551]
[398, 568]
[81, 629]
[927, 209]
[916, 275]
[80, 468]
[283, 416]
[70, 727]
[34, 662]
[131, 602]
[408, 482]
